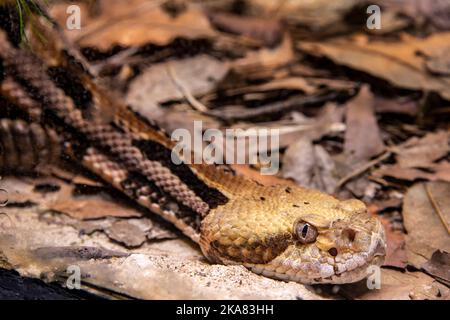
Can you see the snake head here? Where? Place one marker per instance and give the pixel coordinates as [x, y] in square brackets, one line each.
[295, 234]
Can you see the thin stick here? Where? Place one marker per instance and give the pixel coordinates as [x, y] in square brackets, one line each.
[437, 208]
[197, 105]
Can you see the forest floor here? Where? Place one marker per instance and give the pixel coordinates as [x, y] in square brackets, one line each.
[362, 111]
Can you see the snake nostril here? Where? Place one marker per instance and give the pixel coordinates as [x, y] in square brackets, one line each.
[349, 234]
[333, 251]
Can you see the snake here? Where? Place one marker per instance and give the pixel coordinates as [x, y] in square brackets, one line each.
[289, 233]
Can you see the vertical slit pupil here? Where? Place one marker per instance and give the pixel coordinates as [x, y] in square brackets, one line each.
[305, 230]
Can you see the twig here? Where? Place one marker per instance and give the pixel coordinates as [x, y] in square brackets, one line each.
[276, 109]
[437, 208]
[363, 169]
[197, 105]
[115, 60]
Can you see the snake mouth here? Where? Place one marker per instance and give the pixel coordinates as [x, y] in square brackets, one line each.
[373, 258]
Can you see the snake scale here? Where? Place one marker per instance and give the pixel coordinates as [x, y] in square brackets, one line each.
[287, 233]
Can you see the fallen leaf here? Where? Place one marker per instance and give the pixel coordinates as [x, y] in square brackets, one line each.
[266, 59]
[391, 203]
[328, 121]
[436, 12]
[22, 192]
[426, 232]
[315, 14]
[434, 172]
[268, 31]
[93, 206]
[439, 266]
[271, 110]
[198, 75]
[362, 138]
[439, 63]
[422, 152]
[333, 84]
[400, 106]
[133, 23]
[309, 165]
[396, 285]
[395, 251]
[131, 233]
[396, 62]
[289, 83]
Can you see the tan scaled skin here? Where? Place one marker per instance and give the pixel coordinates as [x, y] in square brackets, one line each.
[257, 229]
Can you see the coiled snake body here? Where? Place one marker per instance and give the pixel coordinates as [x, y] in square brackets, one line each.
[288, 233]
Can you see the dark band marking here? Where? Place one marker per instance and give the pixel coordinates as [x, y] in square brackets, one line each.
[157, 152]
[72, 86]
[136, 182]
[10, 23]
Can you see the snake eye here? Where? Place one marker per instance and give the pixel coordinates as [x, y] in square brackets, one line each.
[306, 233]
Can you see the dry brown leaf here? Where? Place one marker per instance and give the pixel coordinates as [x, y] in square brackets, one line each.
[333, 84]
[273, 110]
[133, 23]
[267, 59]
[436, 12]
[94, 206]
[426, 231]
[22, 192]
[439, 62]
[198, 75]
[386, 105]
[435, 172]
[397, 62]
[267, 31]
[131, 232]
[309, 165]
[305, 84]
[289, 83]
[422, 152]
[54, 195]
[439, 266]
[362, 138]
[395, 251]
[396, 285]
[314, 14]
[391, 203]
[328, 121]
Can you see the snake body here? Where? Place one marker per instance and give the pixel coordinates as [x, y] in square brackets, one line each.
[287, 233]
